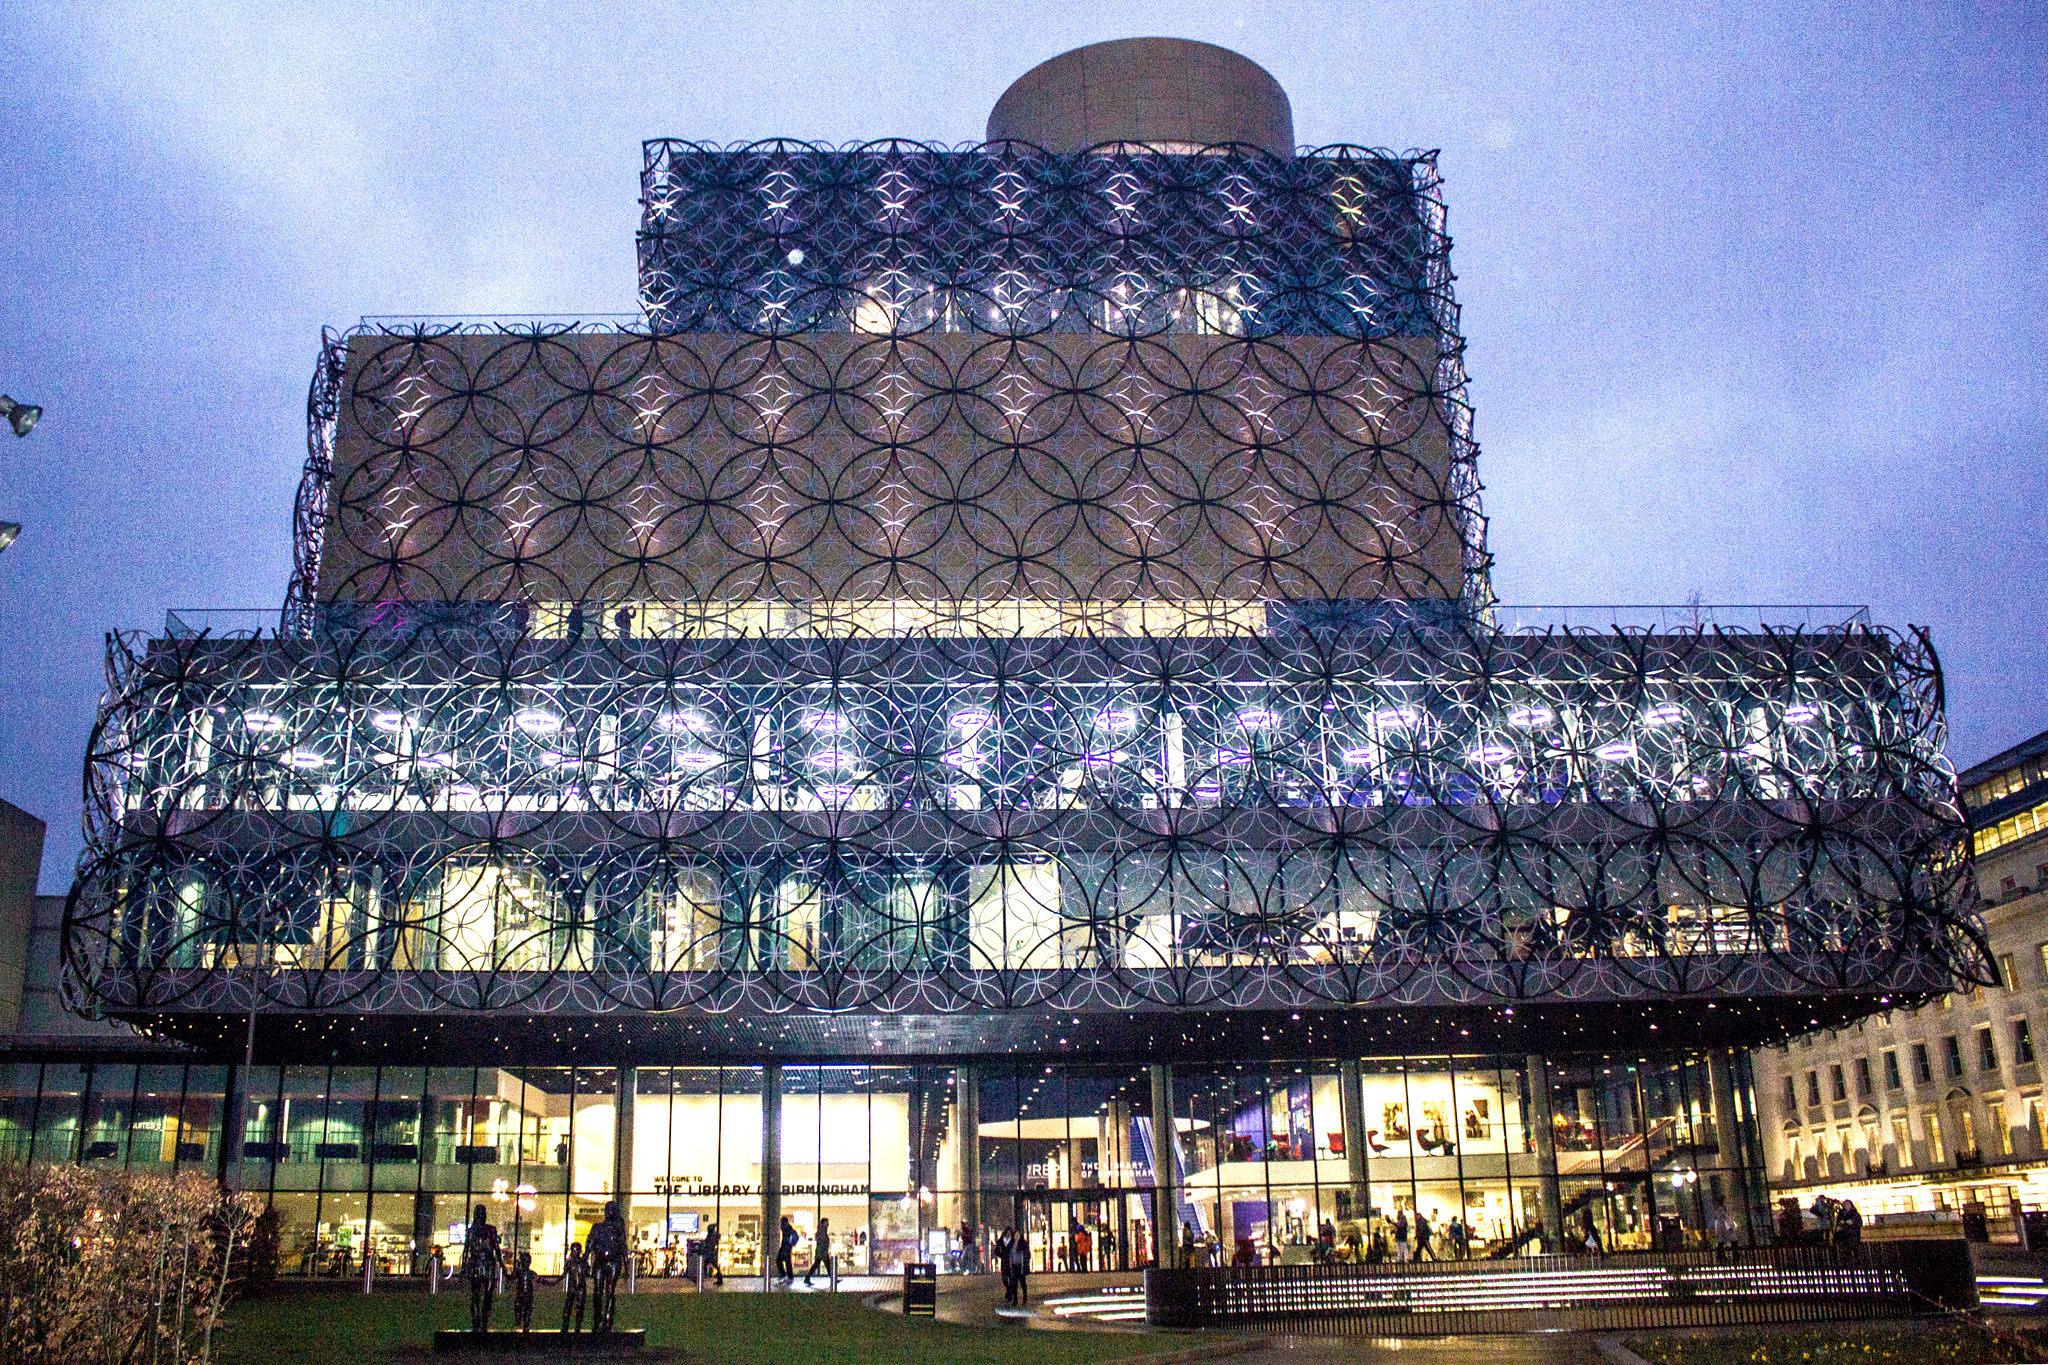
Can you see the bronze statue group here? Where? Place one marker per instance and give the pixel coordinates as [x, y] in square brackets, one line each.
[590, 1279]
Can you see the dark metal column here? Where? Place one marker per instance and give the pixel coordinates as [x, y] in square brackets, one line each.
[1165, 1197]
[967, 1142]
[625, 1083]
[1351, 1100]
[771, 1168]
[1735, 1183]
[1546, 1152]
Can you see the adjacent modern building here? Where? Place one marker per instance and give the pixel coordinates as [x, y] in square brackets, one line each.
[984, 704]
[1938, 1105]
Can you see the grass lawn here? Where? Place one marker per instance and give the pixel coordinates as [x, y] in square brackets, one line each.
[1873, 1345]
[720, 1329]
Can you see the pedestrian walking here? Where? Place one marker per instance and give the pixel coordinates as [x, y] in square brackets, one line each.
[1401, 1235]
[1020, 1266]
[1725, 1240]
[821, 1256]
[785, 1252]
[708, 1254]
[1004, 1244]
[480, 1265]
[1423, 1232]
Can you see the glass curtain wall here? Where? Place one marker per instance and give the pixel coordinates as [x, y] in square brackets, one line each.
[886, 1165]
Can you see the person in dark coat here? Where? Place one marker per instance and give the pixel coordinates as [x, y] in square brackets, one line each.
[785, 1252]
[480, 1265]
[1004, 1244]
[821, 1254]
[708, 1249]
[1020, 1266]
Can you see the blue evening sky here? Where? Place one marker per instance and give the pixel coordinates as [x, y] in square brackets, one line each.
[1755, 294]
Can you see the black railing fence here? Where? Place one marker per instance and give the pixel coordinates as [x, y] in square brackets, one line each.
[1620, 1292]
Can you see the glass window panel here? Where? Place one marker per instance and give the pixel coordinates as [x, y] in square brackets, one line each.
[18, 1082]
[739, 1156]
[343, 1147]
[445, 1107]
[154, 1142]
[340, 1234]
[1000, 1147]
[262, 1132]
[110, 1103]
[392, 1229]
[393, 1140]
[590, 1142]
[298, 1233]
[200, 1121]
[302, 1126]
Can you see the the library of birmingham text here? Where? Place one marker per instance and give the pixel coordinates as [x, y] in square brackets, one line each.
[984, 704]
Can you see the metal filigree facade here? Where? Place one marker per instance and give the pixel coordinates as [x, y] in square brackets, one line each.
[1350, 814]
[991, 582]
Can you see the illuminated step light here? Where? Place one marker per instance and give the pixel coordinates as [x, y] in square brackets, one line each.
[1531, 717]
[537, 720]
[262, 722]
[390, 722]
[306, 759]
[825, 723]
[1396, 717]
[682, 722]
[1116, 719]
[1490, 753]
[1664, 713]
[971, 719]
[1801, 713]
[1616, 751]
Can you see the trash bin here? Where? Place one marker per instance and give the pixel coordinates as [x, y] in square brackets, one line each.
[921, 1290]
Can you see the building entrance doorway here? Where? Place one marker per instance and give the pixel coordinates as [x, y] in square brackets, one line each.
[1076, 1230]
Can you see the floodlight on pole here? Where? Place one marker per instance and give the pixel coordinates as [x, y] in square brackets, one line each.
[21, 416]
[8, 531]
